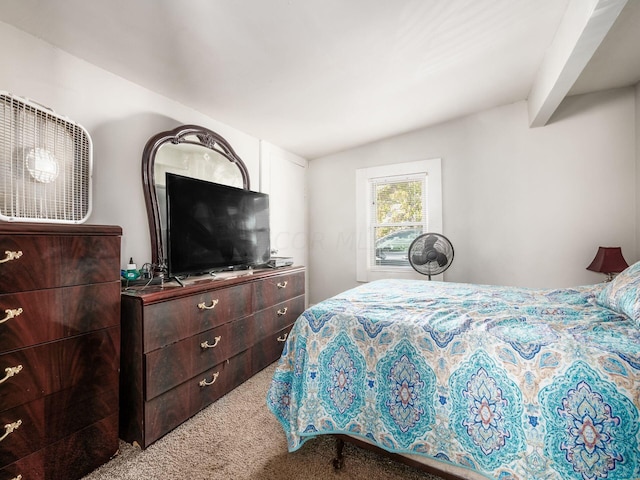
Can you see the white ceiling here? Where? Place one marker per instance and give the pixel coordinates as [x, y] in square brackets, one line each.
[319, 76]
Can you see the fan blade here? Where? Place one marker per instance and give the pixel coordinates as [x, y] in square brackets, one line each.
[419, 258]
[430, 241]
[442, 259]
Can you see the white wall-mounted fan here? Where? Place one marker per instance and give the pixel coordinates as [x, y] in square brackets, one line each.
[46, 164]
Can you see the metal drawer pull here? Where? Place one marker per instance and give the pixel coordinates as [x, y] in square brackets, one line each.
[216, 340]
[283, 338]
[11, 313]
[203, 306]
[282, 311]
[10, 372]
[282, 284]
[9, 255]
[9, 428]
[204, 383]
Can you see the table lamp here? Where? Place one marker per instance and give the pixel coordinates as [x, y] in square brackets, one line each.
[608, 260]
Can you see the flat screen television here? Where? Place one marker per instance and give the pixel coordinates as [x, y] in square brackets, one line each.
[214, 227]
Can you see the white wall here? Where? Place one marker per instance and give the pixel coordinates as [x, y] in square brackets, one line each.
[284, 178]
[120, 117]
[522, 206]
[637, 123]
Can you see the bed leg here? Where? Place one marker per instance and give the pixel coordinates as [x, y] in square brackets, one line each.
[338, 462]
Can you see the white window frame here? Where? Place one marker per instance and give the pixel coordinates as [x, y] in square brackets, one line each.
[366, 271]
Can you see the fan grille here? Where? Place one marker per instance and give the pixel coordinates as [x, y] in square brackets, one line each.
[45, 165]
[431, 254]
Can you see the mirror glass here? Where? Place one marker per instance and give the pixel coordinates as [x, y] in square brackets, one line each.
[197, 161]
[190, 151]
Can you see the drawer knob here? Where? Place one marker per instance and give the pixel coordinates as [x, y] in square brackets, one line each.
[11, 313]
[204, 383]
[282, 284]
[19, 477]
[206, 345]
[283, 337]
[9, 255]
[9, 428]
[204, 306]
[282, 311]
[10, 372]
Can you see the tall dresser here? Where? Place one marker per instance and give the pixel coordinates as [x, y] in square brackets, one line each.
[185, 347]
[59, 349]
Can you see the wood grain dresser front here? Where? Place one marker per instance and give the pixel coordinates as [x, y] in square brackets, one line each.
[185, 347]
[59, 349]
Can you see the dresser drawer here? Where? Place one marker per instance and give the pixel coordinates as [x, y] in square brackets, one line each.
[41, 316]
[169, 366]
[276, 289]
[275, 318]
[48, 261]
[84, 361]
[169, 410]
[268, 350]
[171, 321]
[96, 444]
[34, 425]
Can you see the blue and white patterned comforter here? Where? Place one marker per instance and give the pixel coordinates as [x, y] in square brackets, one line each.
[511, 383]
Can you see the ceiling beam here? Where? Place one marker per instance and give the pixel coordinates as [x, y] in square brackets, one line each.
[582, 29]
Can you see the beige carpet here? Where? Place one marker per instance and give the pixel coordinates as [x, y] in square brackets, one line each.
[238, 438]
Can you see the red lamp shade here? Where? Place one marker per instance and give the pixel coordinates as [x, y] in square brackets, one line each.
[608, 260]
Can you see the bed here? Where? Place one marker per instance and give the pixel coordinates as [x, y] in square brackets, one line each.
[477, 381]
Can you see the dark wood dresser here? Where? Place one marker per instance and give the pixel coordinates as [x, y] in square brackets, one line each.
[59, 349]
[185, 347]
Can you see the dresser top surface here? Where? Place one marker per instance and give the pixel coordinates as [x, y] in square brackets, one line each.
[26, 228]
[197, 284]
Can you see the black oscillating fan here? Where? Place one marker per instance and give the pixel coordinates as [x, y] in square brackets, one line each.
[430, 254]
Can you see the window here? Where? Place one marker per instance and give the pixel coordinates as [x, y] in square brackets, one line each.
[395, 204]
[398, 215]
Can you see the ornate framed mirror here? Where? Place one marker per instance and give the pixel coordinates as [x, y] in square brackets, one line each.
[188, 150]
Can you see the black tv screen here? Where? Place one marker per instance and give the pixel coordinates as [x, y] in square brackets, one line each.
[212, 227]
